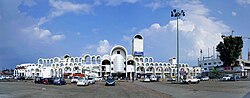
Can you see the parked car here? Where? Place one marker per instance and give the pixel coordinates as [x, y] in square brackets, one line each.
[153, 78]
[38, 80]
[98, 78]
[235, 78]
[146, 79]
[1, 77]
[91, 80]
[191, 79]
[48, 80]
[110, 81]
[226, 78]
[204, 78]
[59, 81]
[82, 82]
[74, 79]
[20, 78]
[171, 79]
[9, 77]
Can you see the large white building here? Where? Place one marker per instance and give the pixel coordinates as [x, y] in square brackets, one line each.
[117, 63]
[211, 63]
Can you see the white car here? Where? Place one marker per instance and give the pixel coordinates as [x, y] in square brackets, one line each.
[75, 79]
[146, 79]
[82, 82]
[98, 78]
[171, 79]
[91, 80]
[226, 78]
[1, 77]
[153, 78]
[205, 78]
[190, 80]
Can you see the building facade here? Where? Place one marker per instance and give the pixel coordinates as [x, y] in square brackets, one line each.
[117, 63]
[209, 65]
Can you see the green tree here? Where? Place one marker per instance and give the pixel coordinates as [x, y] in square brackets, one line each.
[230, 50]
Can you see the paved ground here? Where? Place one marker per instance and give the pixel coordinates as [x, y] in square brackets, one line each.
[98, 90]
[205, 89]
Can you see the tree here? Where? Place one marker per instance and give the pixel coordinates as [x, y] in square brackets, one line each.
[230, 50]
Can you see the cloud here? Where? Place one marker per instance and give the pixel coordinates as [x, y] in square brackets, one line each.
[198, 30]
[234, 13]
[57, 37]
[43, 34]
[118, 2]
[220, 12]
[59, 8]
[127, 38]
[104, 47]
[78, 33]
[243, 2]
[29, 2]
[95, 30]
[156, 5]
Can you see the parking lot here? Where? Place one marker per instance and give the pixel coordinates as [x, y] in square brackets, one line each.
[28, 89]
[127, 89]
[205, 89]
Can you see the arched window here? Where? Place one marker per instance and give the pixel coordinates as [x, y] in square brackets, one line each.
[136, 59]
[146, 59]
[93, 60]
[150, 59]
[141, 59]
[87, 59]
[40, 61]
[98, 59]
[76, 59]
[56, 59]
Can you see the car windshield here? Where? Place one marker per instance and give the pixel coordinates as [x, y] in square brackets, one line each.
[75, 77]
[110, 79]
[82, 79]
[57, 79]
[90, 78]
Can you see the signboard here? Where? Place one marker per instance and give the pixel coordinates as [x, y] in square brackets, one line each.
[138, 53]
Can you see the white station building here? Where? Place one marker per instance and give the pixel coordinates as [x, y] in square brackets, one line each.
[117, 63]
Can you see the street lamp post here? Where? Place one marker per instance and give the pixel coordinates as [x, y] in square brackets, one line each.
[177, 14]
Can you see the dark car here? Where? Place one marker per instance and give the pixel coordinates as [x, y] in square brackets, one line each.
[48, 80]
[59, 81]
[235, 78]
[38, 80]
[110, 81]
[20, 78]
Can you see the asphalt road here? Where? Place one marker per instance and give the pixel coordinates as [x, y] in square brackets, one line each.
[205, 89]
[28, 89]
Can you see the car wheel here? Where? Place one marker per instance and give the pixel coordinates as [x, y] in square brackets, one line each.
[189, 82]
[198, 82]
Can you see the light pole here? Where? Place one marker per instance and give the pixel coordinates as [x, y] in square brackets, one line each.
[177, 14]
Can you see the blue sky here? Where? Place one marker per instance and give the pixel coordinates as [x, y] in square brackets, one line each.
[33, 29]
